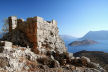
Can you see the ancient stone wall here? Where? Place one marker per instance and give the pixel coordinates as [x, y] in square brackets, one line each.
[29, 27]
[43, 34]
[47, 36]
[12, 23]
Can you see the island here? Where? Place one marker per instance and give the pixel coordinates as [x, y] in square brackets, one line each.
[83, 42]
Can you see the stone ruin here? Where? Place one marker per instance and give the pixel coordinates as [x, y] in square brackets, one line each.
[42, 34]
[52, 56]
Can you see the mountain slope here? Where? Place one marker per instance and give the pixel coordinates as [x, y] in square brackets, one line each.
[67, 37]
[96, 35]
[95, 56]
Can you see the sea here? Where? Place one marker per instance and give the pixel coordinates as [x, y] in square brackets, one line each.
[102, 45]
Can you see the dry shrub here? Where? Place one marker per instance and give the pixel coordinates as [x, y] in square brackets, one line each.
[32, 65]
[35, 50]
[62, 58]
[14, 46]
[48, 53]
[21, 59]
[23, 49]
[43, 60]
[28, 62]
[76, 62]
[63, 62]
[4, 71]
[48, 61]
[65, 55]
[60, 69]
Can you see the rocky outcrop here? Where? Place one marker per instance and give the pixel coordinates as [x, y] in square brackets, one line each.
[22, 59]
[83, 42]
[95, 56]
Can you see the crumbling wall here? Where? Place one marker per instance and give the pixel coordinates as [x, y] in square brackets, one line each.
[29, 27]
[47, 36]
[12, 23]
[43, 34]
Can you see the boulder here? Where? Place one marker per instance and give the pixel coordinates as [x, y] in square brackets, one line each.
[85, 60]
[70, 55]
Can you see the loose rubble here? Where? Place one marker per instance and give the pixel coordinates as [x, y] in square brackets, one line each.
[21, 59]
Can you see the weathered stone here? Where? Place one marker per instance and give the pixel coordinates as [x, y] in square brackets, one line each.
[12, 22]
[42, 34]
[70, 55]
[77, 57]
[8, 44]
[85, 59]
[4, 62]
[52, 57]
[73, 58]
[1, 49]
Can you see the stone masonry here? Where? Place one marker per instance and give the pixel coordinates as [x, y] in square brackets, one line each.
[42, 34]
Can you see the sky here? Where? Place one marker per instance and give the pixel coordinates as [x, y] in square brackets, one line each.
[74, 17]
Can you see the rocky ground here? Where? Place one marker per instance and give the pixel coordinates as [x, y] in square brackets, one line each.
[95, 56]
[14, 58]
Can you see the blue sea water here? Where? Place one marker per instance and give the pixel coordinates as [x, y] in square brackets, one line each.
[102, 45]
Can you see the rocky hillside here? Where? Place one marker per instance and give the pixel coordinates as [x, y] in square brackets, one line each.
[96, 35]
[95, 56]
[21, 59]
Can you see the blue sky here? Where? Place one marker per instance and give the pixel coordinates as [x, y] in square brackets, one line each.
[74, 17]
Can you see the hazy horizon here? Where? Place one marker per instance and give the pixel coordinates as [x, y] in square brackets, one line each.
[74, 17]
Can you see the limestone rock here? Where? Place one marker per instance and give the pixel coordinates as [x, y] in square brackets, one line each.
[22, 59]
[4, 62]
[70, 55]
[85, 59]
